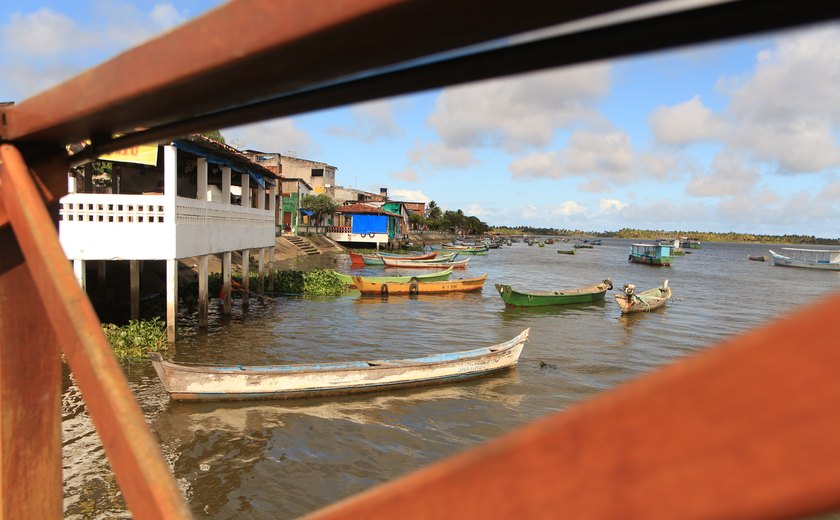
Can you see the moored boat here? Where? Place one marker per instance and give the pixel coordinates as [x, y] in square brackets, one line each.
[826, 259]
[318, 379]
[360, 259]
[584, 246]
[435, 276]
[631, 302]
[515, 298]
[566, 251]
[757, 258]
[650, 254]
[415, 264]
[419, 287]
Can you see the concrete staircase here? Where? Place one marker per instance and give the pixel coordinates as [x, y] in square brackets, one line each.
[303, 244]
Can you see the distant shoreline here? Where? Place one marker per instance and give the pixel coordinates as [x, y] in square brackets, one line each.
[702, 236]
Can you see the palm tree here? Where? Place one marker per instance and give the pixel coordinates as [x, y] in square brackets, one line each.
[433, 211]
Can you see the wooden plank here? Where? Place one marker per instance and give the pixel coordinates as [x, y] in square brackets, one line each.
[30, 395]
[747, 429]
[143, 475]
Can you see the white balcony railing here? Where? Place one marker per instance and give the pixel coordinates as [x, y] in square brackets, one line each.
[148, 227]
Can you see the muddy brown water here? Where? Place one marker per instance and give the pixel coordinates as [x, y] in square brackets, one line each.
[282, 459]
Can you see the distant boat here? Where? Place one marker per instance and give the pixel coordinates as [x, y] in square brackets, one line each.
[757, 258]
[827, 259]
[514, 298]
[420, 264]
[435, 276]
[596, 242]
[566, 251]
[632, 302]
[237, 382]
[689, 243]
[584, 246]
[359, 259]
[650, 254]
[419, 287]
[541, 243]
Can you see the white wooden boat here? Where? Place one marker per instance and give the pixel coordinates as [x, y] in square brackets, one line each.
[318, 379]
[631, 302]
[398, 262]
[828, 259]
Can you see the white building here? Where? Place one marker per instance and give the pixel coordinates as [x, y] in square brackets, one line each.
[182, 202]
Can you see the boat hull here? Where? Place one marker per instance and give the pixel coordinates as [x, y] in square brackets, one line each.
[297, 381]
[436, 276]
[513, 298]
[784, 261]
[646, 301]
[566, 251]
[662, 261]
[412, 264]
[419, 287]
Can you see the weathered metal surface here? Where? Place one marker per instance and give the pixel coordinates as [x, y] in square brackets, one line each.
[419, 287]
[144, 477]
[292, 381]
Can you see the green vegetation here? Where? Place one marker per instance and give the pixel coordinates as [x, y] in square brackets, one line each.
[323, 282]
[215, 135]
[320, 205]
[451, 221]
[137, 338]
[647, 234]
[320, 282]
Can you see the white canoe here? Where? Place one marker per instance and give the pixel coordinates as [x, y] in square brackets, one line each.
[631, 302]
[318, 379]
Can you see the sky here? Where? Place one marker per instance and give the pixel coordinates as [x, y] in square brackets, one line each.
[739, 136]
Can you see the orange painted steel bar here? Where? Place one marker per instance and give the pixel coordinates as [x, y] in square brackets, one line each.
[748, 429]
[143, 475]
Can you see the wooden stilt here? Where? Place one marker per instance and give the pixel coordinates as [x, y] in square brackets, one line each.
[202, 291]
[171, 298]
[226, 283]
[261, 271]
[134, 283]
[271, 269]
[246, 275]
[79, 272]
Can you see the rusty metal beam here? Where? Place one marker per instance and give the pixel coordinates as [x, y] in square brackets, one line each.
[250, 50]
[134, 454]
[747, 429]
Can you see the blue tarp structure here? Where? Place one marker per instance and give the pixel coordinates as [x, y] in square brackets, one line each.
[308, 212]
[370, 224]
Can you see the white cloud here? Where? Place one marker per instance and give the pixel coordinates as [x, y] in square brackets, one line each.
[521, 112]
[788, 112]
[530, 211]
[599, 157]
[611, 205]
[407, 175]
[166, 16]
[44, 33]
[371, 121]
[831, 191]
[277, 135]
[686, 123]
[568, 208]
[408, 195]
[731, 175]
[439, 156]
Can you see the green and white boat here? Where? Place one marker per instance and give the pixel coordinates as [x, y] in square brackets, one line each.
[435, 276]
[514, 298]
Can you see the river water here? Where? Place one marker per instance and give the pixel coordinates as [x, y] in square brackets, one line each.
[282, 459]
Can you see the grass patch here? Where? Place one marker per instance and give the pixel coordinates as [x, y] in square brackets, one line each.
[137, 338]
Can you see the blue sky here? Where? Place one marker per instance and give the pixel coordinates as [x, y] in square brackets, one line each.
[737, 136]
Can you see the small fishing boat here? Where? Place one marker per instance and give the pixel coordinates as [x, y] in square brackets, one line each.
[761, 258]
[650, 254]
[631, 302]
[416, 286]
[435, 276]
[238, 382]
[584, 246]
[419, 264]
[480, 249]
[515, 298]
[360, 259]
[566, 251]
[826, 259]
[596, 242]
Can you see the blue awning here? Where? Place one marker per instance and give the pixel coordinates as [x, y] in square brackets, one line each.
[307, 212]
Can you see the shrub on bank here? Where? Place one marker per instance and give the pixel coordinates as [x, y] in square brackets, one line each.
[137, 338]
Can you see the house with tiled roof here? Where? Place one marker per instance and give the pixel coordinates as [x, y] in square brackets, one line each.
[362, 224]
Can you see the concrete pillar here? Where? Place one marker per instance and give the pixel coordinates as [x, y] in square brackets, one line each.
[134, 285]
[271, 269]
[226, 283]
[261, 270]
[246, 275]
[79, 271]
[272, 204]
[201, 171]
[202, 291]
[171, 298]
[246, 190]
[225, 184]
[170, 173]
